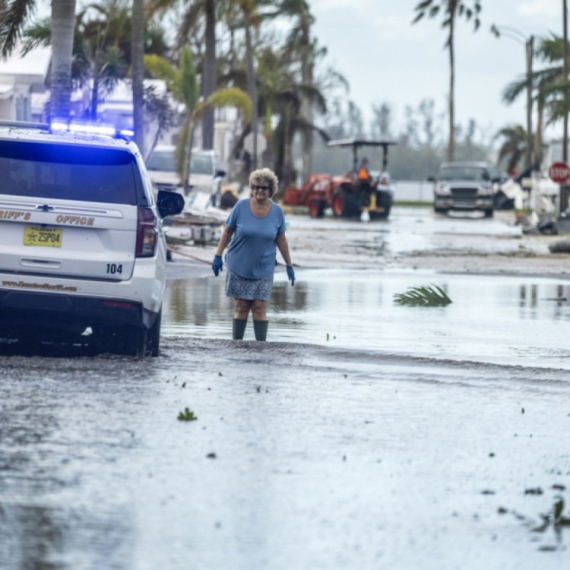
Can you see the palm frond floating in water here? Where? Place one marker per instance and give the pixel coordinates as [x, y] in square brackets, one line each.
[433, 296]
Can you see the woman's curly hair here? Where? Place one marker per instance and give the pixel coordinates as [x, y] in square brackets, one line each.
[264, 175]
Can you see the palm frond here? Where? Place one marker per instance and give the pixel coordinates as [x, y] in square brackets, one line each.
[231, 97]
[425, 296]
[38, 34]
[13, 17]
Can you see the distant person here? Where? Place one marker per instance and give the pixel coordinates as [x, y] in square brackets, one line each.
[254, 230]
[363, 172]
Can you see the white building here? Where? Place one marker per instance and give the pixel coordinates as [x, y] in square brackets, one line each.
[23, 97]
[22, 85]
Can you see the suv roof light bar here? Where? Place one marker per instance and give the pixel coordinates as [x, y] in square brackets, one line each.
[62, 126]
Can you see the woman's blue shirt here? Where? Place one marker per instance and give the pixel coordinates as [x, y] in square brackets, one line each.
[252, 251]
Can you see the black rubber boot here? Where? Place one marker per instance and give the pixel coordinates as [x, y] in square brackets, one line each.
[238, 328]
[260, 329]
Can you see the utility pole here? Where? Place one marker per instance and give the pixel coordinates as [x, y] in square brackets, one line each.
[528, 43]
[529, 139]
[564, 189]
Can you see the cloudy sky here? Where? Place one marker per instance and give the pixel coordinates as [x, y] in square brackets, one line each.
[385, 58]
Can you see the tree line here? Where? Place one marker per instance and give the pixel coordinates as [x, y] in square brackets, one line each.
[230, 52]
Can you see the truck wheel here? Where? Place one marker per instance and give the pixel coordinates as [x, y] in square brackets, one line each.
[316, 208]
[338, 204]
[135, 341]
[345, 204]
[153, 337]
[384, 200]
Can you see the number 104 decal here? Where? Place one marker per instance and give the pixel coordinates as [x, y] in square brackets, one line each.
[113, 268]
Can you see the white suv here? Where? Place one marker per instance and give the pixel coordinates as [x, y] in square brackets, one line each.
[205, 175]
[84, 254]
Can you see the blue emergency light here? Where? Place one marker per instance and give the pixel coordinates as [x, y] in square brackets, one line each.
[59, 126]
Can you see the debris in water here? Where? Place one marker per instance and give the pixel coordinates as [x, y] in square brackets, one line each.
[433, 296]
[211, 456]
[187, 416]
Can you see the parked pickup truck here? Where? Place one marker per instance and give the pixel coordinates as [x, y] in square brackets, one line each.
[465, 186]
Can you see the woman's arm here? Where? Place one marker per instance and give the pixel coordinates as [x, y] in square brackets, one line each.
[225, 238]
[283, 247]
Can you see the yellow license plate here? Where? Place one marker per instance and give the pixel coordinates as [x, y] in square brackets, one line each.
[47, 237]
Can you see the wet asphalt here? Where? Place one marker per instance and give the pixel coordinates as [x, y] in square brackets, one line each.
[363, 435]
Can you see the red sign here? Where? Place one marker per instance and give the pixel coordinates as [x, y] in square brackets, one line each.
[559, 172]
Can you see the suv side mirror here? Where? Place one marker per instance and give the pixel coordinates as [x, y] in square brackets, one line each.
[169, 203]
[220, 173]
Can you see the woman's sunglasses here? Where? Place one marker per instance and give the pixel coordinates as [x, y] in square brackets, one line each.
[264, 188]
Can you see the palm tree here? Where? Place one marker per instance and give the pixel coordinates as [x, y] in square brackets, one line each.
[300, 37]
[194, 10]
[450, 10]
[513, 147]
[184, 86]
[137, 67]
[97, 50]
[12, 23]
[548, 86]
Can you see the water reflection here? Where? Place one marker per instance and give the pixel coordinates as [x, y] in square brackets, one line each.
[492, 318]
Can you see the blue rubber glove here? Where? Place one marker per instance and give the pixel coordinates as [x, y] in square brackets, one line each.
[291, 274]
[217, 265]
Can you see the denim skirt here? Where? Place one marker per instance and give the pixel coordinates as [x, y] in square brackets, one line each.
[248, 289]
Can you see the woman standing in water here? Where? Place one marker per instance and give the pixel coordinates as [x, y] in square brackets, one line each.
[255, 227]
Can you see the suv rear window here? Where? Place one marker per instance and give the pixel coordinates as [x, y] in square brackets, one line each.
[67, 172]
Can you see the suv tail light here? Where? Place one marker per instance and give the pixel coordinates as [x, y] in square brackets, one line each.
[146, 233]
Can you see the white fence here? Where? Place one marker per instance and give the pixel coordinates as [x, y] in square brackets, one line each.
[412, 190]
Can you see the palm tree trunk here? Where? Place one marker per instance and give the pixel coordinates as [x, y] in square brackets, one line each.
[538, 132]
[287, 145]
[451, 147]
[307, 79]
[252, 90]
[137, 56]
[565, 62]
[62, 31]
[529, 58]
[209, 75]
[564, 189]
[95, 97]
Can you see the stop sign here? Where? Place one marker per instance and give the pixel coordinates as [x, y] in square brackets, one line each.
[559, 172]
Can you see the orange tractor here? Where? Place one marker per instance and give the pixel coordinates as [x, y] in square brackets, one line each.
[346, 195]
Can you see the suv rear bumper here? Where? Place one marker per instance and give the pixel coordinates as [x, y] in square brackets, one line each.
[69, 313]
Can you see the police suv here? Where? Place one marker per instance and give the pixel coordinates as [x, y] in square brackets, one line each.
[83, 250]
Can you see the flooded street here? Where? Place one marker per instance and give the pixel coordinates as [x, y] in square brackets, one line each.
[363, 435]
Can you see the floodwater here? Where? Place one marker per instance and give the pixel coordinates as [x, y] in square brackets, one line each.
[521, 321]
[364, 435]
